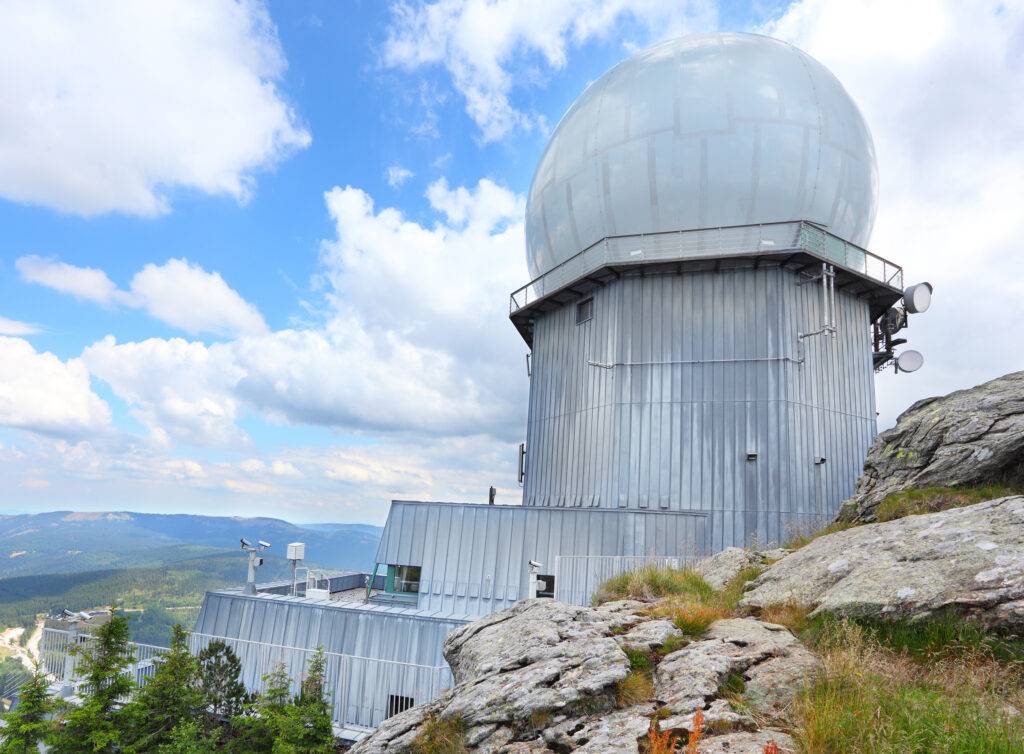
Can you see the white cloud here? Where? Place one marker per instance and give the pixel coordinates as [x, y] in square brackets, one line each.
[177, 389]
[416, 338]
[115, 106]
[188, 297]
[180, 294]
[396, 175]
[479, 42]
[15, 327]
[939, 83]
[39, 392]
[85, 283]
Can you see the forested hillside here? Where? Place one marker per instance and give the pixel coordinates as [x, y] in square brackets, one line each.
[67, 542]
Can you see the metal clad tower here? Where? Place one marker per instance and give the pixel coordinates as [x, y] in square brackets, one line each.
[701, 309]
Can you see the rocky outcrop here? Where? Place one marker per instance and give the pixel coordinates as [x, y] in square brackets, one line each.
[969, 437]
[969, 560]
[722, 567]
[542, 677]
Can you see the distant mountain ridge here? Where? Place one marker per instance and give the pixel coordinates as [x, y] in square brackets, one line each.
[73, 541]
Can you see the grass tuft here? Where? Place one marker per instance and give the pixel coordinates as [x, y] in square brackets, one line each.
[789, 614]
[440, 735]
[650, 583]
[805, 538]
[870, 699]
[635, 688]
[934, 499]
[639, 659]
[942, 636]
[688, 615]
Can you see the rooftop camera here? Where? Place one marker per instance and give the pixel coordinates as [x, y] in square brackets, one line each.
[264, 544]
[535, 564]
[245, 543]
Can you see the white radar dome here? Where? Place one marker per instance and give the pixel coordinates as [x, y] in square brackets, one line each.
[703, 131]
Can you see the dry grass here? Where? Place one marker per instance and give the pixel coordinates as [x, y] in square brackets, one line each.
[872, 700]
[440, 735]
[635, 688]
[802, 539]
[689, 616]
[934, 499]
[650, 583]
[789, 614]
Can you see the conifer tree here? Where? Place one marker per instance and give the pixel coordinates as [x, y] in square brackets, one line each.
[28, 724]
[94, 726]
[304, 726]
[219, 670]
[167, 699]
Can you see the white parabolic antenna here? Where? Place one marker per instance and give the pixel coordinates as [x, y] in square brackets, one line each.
[917, 298]
[909, 361]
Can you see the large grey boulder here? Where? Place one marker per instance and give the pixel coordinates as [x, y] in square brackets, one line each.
[542, 677]
[969, 560]
[969, 437]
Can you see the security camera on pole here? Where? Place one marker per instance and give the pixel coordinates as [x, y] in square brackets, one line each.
[255, 561]
[534, 582]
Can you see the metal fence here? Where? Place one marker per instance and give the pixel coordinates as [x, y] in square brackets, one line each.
[710, 243]
[577, 577]
[361, 691]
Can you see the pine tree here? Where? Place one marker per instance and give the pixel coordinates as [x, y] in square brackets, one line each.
[28, 723]
[94, 726]
[168, 699]
[304, 726]
[219, 670]
[188, 738]
[256, 730]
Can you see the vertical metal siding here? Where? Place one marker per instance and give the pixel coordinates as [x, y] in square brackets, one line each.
[656, 433]
[480, 566]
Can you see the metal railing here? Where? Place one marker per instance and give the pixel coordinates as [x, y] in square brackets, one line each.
[710, 243]
[577, 577]
[361, 691]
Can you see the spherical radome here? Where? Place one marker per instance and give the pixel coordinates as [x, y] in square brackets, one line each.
[703, 131]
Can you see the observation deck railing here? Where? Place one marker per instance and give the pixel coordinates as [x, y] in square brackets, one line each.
[361, 691]
[710, 243]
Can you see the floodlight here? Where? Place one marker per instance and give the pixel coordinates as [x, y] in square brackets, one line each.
[917, 298]
[909, 361]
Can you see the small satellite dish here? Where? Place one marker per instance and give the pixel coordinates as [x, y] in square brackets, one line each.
[917, 298]
[909, 361]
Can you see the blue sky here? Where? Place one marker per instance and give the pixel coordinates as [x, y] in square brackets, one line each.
[255, 258]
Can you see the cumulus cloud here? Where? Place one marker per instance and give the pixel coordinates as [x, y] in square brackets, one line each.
[938, 82]
[39, 392]
[188, 297]
[479, 42]
[178, 293]
[179, 390]
[396, 175]
[117, 105]
[16, 327]
[415, 339]
[84, 283]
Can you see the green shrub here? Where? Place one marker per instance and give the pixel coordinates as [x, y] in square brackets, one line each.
[934, 499]
[440, 735]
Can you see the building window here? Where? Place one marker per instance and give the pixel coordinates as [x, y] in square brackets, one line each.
[584, 311]
[545, 585]
[397, 704]
[403, 579]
